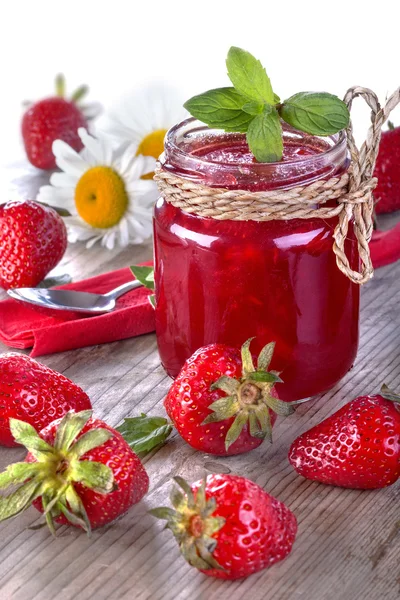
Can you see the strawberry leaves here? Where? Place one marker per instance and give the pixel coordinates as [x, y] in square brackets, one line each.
[145, 433]
[252, 107]
[248, 400]
[58, 468]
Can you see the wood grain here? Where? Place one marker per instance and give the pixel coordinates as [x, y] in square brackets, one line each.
[348, 545]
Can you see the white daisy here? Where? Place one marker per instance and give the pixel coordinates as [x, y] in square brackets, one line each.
[143, 117]
[104, 191]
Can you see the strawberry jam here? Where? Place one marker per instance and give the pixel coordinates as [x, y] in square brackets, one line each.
[228, 280]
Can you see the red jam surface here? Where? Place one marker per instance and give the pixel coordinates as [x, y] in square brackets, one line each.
[227, 281]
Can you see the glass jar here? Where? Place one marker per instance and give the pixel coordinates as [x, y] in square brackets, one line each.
[227, 280]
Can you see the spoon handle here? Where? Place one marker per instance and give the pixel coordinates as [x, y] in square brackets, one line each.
[123, 289]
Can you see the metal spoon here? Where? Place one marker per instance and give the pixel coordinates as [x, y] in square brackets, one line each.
[83, 302]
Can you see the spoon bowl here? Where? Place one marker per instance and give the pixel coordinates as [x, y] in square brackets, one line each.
[83, 302]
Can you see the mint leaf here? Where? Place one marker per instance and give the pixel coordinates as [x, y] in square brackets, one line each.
[254, 107]
[248, 76]
[316, 113]
[221, 108]
[264, 136]
[145, 275]
[145, 433]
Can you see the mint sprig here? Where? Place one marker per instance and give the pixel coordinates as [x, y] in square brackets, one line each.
[252, 107]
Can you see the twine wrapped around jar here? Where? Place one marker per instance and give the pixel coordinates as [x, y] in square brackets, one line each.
[353, 192]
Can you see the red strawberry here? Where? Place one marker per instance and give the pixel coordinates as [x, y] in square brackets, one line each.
[356, 447]
[33, 240]
[34, 393]
[79, 471]
[52, 119]
[387, 192]
[221, 404]
[228, 527]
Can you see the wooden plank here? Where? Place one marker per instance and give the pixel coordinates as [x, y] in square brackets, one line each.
[348, 544]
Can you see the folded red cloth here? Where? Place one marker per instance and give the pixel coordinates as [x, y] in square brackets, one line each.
[24, 327]
[385, 246]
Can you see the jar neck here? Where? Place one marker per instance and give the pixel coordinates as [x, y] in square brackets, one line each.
[218, 159]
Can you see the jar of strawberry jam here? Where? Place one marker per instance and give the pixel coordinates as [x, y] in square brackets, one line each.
[222, 280]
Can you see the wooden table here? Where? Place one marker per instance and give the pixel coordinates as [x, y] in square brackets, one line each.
[348, 544]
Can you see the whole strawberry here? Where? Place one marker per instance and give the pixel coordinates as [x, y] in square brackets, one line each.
[33, 240]
[221, 404]
[356, 447]
[34, 393]
[79, 471]
[228, 527]
[51, 119]
[387, 192]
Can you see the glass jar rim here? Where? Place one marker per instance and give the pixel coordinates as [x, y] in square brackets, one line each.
[173, 148]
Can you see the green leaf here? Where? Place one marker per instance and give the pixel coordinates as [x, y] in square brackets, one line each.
[90, 440]
[94, 475]
[152, 300]
[163, 512]
[264, 418]
[79, 93]
[389, 394]
[18, 473]
[69, 428]
[15, 503]
[247, 360]
[264, 137]
[187, 489]
[226, 384]
[145, 275]
[265, 356]
[254, 107]
[284, 409]
[27, 436]
[223, 409]
[221, 108]
[316, 113]
[77, 507]
[264, 377]
[248, 76]
[235, 429]
[145, 433]
[60, 85]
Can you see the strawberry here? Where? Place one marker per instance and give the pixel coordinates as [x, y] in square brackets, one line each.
[356, 447]
[33, 240]
[79, 471]
[220, 404]
[387, 192]
[34, 393]
[51, 119]
[229, 527]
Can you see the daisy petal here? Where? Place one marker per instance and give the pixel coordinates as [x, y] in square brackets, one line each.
[68, 160]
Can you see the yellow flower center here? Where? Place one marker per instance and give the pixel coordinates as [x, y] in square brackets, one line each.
[101, 198]
[152, 145]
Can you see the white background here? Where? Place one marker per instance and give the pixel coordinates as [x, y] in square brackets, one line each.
[115, 44]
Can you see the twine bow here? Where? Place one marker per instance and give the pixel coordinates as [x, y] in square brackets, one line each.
[352, 192]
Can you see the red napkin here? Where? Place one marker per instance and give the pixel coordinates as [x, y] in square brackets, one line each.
[385, 246]
[24, 327]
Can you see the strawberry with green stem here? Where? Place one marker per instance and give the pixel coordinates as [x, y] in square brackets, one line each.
[227, 526]
[50, 119]
[78, 471]
[220, 403]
